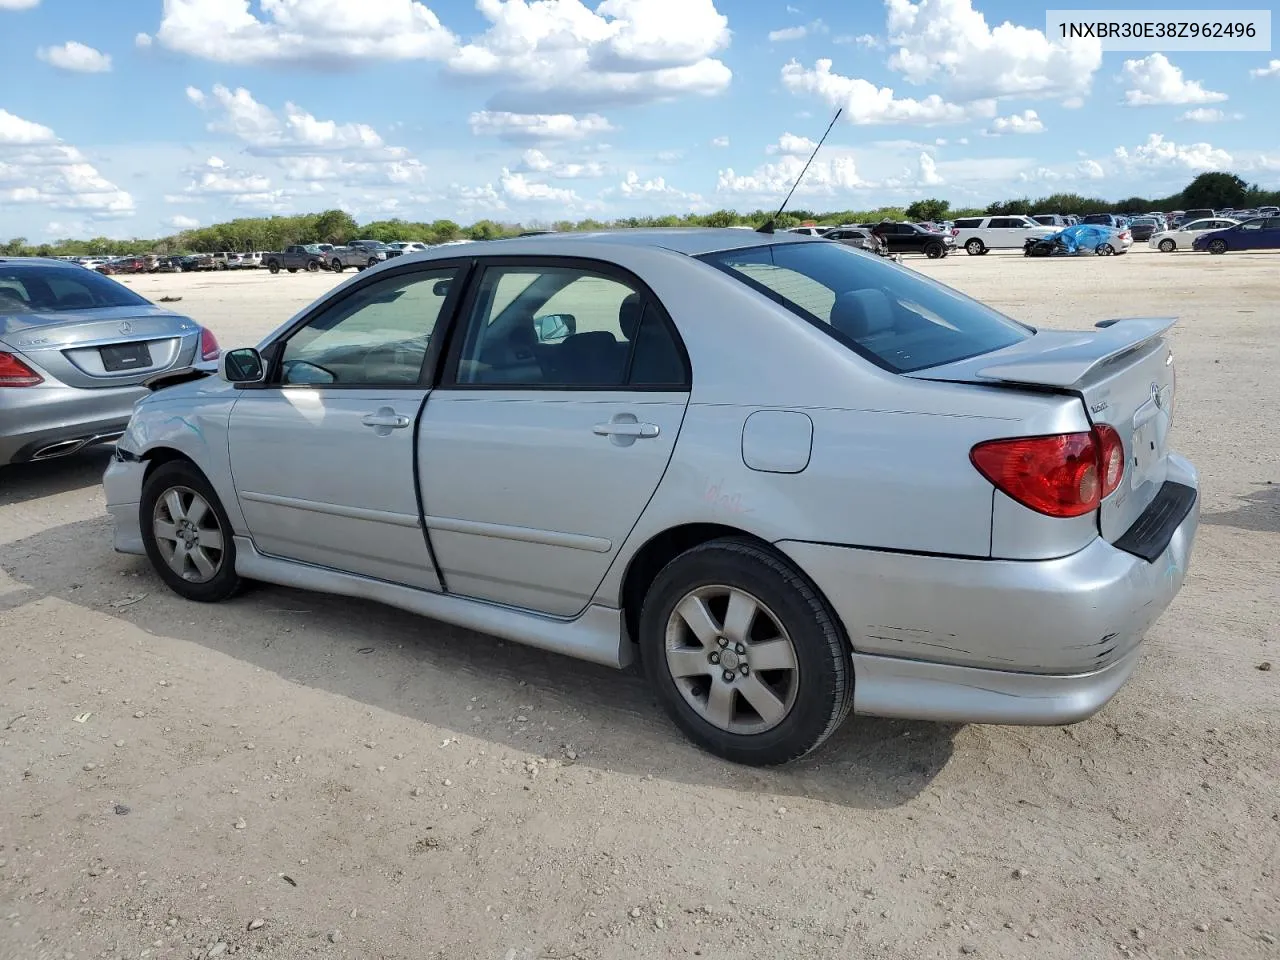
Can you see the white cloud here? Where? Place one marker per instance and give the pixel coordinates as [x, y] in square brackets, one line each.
[304, 30]
[535, 161]
[865, 40]
[143, 41]
[1272, 69]
[670, 156]
[825, 177]
[1028, 121]
[950, 42]
[792, 146]
[534, 127]
[1073, 103]
[215, 180]
[16, 131]
[1158, 152]
[181, 222]
[865, 103]
[1157, 82]
[567, 55]
[483, 199]
[1209, 115]
[656, 189]
[76, 58]
[788, 33]
[720, 142]
[519, 188]
[1090, 170]
[307, 149]
[18, 4]
[38, 169]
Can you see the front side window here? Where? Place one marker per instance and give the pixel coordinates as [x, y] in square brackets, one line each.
[893, 316]
[376, 336]
[569, 327]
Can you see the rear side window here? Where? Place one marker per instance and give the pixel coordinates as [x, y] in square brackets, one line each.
[893, 316]
[969, 223]
[29, 288]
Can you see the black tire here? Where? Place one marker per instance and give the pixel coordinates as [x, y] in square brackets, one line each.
[1104, 250]
[933, 250]
[337, 265]
[273, 266]
[292, 269]
[373, 262]
[1168, 246]
[1218, 247]
[975, 247]
[313, 266]
[182, 474]
[823, 674]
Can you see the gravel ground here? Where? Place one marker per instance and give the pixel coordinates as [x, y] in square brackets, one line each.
[293, 775]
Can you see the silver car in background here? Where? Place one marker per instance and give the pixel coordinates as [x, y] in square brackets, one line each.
[792, 478]
[75, 347]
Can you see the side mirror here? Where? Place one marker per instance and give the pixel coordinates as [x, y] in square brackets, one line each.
[243, 366]
[441, 288]
[554, 327]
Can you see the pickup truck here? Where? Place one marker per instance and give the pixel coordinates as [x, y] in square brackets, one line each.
[353, 255]
[300, 256]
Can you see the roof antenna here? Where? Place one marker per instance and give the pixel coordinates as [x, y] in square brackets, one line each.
[769, 224]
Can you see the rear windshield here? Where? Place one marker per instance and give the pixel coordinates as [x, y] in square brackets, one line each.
[889, 314]
[28, 288]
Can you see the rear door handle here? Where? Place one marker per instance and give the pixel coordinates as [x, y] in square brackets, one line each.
[643, 431]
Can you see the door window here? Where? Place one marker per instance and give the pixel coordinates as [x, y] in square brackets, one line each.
[556, 327]
[378, 336]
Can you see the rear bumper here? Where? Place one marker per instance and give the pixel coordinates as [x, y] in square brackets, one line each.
[996, 641]
[34, 419]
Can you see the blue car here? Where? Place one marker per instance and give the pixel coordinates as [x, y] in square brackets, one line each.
[1260, 233]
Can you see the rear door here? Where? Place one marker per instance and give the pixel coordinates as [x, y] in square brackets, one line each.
[555, 421]
[323, 455]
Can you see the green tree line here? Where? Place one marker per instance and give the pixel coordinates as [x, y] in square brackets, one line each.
[1214, 190]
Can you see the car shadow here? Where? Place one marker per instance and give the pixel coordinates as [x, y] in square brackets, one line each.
[1259, 510]
[524, 699]
[21, 482]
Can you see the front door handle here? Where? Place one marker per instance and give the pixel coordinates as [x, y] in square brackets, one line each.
[385, 420]
[640, 431]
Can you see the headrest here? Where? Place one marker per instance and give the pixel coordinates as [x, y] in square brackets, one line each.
[630, 313]
[862, 313]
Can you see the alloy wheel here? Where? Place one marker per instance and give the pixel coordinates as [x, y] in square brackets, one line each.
[188, 534]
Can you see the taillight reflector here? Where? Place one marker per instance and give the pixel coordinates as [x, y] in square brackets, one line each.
[1063, 475]
[209, 349]
[15, 373]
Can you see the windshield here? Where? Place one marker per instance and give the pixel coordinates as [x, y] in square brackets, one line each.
[894, 317]
[28, 288]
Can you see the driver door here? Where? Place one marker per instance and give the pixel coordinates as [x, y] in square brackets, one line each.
[323, 453]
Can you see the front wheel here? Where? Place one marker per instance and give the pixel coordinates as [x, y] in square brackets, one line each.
[744, 654]
[313, 266]
[373, 262]
[975, 247]
[336, 266]
[273, 267]
[1168, 246]
[933, 250]
[1218, 246]
[1104, 250]
[187, 534]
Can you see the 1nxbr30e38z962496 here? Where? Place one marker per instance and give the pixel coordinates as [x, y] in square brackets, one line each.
[790, 477]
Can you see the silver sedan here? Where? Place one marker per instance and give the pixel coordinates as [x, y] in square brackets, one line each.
[75, 348]
[791, 478]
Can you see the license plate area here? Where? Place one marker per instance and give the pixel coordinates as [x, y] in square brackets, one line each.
[1147, 452]
[123, 357]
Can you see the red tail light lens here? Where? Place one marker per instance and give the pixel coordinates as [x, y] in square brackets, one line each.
[209, 349]
[1064, 475]
[15, 373]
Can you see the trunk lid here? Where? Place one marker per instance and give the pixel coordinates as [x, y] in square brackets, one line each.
[1124, 375]
[104, 346]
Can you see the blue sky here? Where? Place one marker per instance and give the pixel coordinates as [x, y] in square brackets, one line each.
[140, 118]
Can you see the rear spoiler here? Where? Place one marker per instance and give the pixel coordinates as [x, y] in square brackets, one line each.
[1068, 363]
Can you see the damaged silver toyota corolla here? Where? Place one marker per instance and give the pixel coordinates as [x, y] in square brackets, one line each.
[790, 477]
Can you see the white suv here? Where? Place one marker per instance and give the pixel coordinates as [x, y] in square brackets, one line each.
[979, 234]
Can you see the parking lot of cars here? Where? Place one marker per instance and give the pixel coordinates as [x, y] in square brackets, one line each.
[349, 774]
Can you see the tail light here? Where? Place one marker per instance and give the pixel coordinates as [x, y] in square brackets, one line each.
[209, 349]
[1064, 475]
[15, 373]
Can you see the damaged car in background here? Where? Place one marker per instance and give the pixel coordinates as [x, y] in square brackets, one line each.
[792, 479]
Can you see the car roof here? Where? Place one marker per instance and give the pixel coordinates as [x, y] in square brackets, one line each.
[691, 241]
[43, 262]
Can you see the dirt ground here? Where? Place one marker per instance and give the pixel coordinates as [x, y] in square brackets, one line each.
[293, 775]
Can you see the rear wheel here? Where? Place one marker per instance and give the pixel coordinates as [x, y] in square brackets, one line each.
[373, 262]
[336, 265]
[1218, 246]
[1104, 250]
[975, 247]
[187, 534]
[933, 250]
[273, 266]
[1168, 246]
[744, 654]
